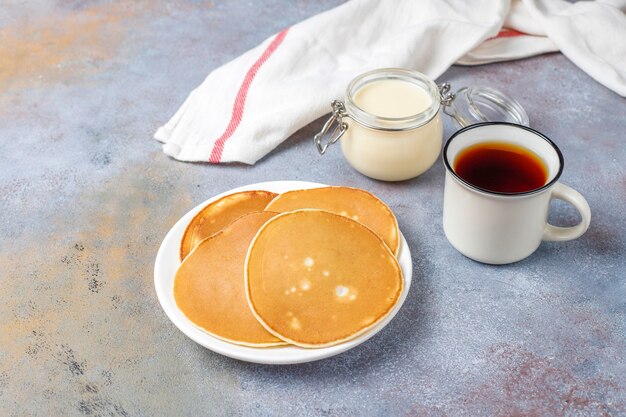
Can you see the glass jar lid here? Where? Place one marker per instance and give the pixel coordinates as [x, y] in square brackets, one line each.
[477, 104]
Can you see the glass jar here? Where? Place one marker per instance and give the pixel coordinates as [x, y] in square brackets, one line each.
[385, 140]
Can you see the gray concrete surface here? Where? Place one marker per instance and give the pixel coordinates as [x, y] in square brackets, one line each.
[86, 196]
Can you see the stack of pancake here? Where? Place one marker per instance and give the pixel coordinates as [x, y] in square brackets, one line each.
[311, 268]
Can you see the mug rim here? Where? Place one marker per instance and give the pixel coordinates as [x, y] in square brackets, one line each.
[499, 193]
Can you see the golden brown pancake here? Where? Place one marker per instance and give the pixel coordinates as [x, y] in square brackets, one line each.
[316, 279]
[354, 203]
[209, 285]
[219, 214]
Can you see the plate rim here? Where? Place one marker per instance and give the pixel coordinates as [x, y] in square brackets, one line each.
[294, 355]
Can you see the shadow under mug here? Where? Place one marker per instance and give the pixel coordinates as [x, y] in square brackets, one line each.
[500, 228]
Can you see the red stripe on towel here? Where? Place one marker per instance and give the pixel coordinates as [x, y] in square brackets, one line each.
[240, 99]
[507, 33]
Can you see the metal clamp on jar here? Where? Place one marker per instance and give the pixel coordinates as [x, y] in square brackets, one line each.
[390, 125]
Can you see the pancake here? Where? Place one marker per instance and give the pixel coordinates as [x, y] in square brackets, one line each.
[219, 214]
[209, 285]
[354, 203]
[316, 279]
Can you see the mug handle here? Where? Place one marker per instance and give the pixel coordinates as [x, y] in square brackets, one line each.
[560, 234]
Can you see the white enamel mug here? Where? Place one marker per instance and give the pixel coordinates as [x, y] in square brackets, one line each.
[500, 228]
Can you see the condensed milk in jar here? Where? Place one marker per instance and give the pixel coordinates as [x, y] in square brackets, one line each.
[390, 125]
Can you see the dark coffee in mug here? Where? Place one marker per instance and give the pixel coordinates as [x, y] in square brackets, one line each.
[523, 168]
[501, 167]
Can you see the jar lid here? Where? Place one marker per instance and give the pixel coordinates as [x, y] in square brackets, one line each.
[477, 104]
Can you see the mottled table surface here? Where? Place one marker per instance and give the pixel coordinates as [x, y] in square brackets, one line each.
[86, 196]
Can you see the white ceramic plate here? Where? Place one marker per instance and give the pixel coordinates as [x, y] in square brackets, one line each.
[167, 263]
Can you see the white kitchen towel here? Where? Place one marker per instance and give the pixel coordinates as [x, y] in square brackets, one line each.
[591, 34]
[247, 107]
[508, 45]
[520, 37]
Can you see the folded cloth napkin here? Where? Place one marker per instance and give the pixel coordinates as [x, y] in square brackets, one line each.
[247, 107]
[519, 38]
[591, 34]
